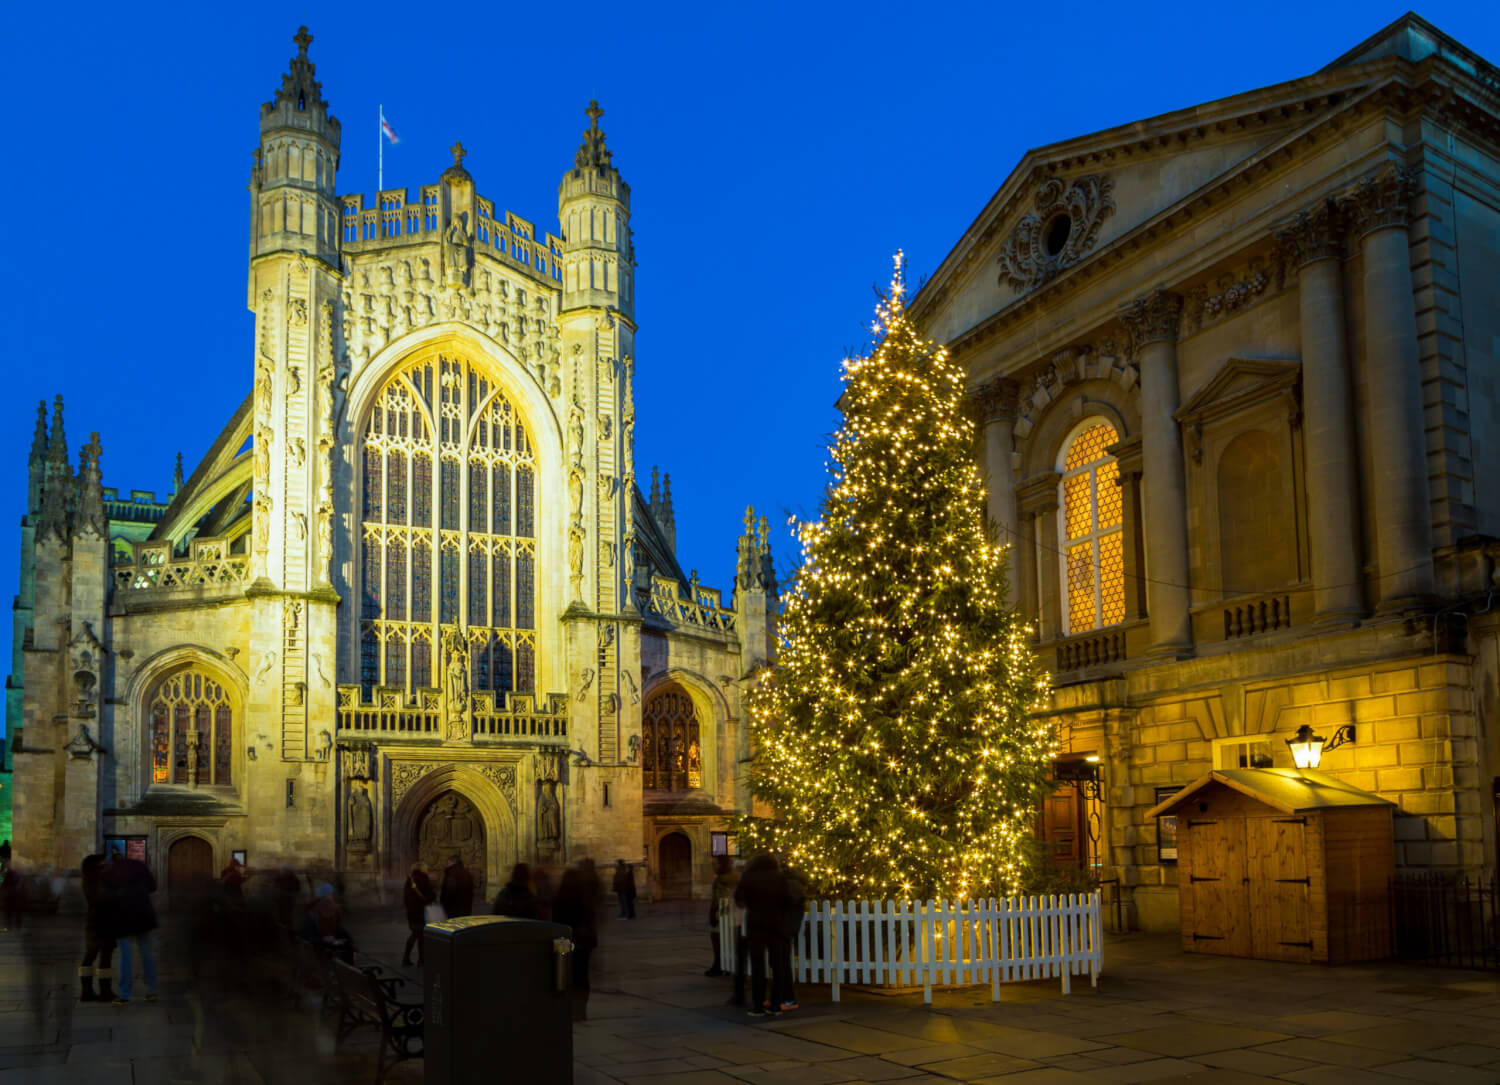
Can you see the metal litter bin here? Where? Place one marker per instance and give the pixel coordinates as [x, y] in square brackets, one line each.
[495, 991]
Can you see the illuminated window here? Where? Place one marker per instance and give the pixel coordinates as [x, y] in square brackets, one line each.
[671, 756]
[446, 458]
[1091, 530]
[192, 731]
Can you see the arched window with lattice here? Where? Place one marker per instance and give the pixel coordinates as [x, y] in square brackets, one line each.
[1091, 529]
[671, 750]
[447, 530]
[192, 731]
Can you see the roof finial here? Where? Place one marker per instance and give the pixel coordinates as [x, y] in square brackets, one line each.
[458, 152]
[90, 490]
[592, 152]
[177, 475]
[39, 437]
[303, 40]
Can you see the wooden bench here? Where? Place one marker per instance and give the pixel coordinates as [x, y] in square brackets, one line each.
[366, 999]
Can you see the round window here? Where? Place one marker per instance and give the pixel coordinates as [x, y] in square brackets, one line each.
[1055, 236]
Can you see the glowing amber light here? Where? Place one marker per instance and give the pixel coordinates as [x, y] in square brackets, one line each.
[1092, 529]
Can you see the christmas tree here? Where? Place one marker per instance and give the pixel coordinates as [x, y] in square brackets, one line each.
[895, 740]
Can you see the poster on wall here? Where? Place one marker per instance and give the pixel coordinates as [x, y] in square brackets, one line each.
[1166, 829]
[131, 847]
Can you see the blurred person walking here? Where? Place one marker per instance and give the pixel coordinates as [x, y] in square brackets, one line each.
[125, 887]
[11, 892]
[789, 923]
[762, 893]
[98, 945]
[287, 888]
[624, 887]
[722, 890]
[576, 906]
[457, 892]
[515, 897]
[417, 897]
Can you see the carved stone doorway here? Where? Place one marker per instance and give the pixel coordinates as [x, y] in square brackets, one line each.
[190, 871]
[452, 826]
[675, 862]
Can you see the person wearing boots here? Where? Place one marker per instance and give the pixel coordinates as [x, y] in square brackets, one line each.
[126, 886]
[417, 895]
[762, 893]
[98, 946]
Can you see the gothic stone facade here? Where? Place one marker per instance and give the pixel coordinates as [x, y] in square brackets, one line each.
[1234, 368]
[412, 602]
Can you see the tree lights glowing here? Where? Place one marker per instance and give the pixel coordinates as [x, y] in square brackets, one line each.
[895, 739]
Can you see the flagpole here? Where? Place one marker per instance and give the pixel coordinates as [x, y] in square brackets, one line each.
[380, 169]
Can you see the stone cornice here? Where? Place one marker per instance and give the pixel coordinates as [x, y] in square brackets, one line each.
[1395, 92]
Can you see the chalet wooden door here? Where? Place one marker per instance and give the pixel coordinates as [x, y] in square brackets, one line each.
[190, 871]
[1215, 876]
[1280, 891]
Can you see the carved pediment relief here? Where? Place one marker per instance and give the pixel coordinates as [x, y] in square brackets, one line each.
[1241, 383]
[1058, 232]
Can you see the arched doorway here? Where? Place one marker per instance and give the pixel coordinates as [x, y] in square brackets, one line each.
[675, 862]
[452, 826]
[190, 870]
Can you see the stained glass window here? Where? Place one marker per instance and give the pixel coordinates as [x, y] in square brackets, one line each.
[448, 491]
[1091, 528]
[192, 731]
[671, 753]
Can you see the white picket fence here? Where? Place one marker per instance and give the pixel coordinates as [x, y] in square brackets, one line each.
[890, 943]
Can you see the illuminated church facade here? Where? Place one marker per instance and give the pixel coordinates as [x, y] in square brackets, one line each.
[1234, 374]
[413, 601]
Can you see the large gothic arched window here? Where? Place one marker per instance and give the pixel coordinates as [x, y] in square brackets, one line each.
[192, 731]
[1092, 530]
[671, 754]
[447, 530]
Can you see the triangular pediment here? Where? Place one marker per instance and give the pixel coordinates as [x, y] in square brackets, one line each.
[1069, 208]
[1241, 382]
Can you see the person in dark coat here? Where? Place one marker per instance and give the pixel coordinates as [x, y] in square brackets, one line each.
[723, 886]
[98, 946]
[323, 924]
[576, 906]
[417, 895]
[762, 893]
[624, 887]
[788, 924]
[287, 888]
[126, 886]
[457, 892]
[10, 893]
[232, 881]
[515, 897]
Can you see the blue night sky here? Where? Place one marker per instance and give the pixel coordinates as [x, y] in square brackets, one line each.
[777, 156]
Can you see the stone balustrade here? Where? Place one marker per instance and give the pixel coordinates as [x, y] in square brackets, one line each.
[209, 563]
[390, 713]
[698, 606]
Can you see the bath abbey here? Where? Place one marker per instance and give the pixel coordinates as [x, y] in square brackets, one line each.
[413, 602]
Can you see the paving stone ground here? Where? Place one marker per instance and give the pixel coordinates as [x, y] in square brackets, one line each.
[654, 1019]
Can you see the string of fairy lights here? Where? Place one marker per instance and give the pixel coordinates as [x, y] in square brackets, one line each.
[897, 739]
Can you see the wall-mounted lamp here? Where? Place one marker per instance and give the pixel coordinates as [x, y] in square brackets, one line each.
[1307, 748]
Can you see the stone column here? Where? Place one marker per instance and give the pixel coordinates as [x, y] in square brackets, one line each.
[1127, 456]
[995, 407]
[1314, 240]
[1153, 321]
[1038, 499]
[1026, 598]
[1377, 211]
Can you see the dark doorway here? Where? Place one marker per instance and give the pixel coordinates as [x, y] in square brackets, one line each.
[675, 854]
[452, 826]
[190, 871]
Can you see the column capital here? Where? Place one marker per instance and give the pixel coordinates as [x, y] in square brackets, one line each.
[1313, 235]
[1379, 201]
[1153, 317]
[994, 401]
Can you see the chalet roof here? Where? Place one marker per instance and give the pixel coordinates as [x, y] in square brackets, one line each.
[1291, 791]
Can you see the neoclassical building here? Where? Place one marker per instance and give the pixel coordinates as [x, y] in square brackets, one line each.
[1235, 374]
[412, 602]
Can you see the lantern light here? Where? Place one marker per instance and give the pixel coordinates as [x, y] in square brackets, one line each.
[1307, 748]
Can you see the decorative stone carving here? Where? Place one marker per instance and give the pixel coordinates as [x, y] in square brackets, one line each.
[1236, 294]
[1314, 234]
[635, 694]
[1153, 318]
[1378, 202]
[297, 313]
[404, 774]
[355, 763]
[548, 818]
[361, 818]
[83, 745]
[994, 400]
[456, 685]
[588, 680]
[504, 779]
[1068, 367]
[1058, 233]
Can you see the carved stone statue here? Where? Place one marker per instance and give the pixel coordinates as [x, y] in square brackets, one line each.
[548, 817]
[193, 739]
[361, 818]
[456, 248]
[456, 683]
